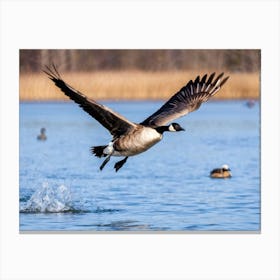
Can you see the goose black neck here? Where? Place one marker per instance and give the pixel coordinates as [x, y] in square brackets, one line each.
[161, 129]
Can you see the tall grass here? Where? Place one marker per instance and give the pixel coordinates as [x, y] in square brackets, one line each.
[134, 85]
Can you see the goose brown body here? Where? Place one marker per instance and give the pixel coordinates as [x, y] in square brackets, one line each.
[137, 141]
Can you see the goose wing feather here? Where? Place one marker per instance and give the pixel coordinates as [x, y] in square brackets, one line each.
[187, 100]
[115, 123]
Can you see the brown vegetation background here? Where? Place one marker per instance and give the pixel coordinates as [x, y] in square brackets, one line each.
[137, 74]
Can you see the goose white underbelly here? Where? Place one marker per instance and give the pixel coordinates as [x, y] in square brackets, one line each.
[136, 142]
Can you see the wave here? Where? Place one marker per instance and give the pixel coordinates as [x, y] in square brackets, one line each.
[53, 199]
[49, 199]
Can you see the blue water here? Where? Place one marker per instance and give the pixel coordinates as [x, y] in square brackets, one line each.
[167, 188]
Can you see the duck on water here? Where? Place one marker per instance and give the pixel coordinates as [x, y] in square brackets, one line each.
[223, 172]
[130, 138]
[42, 136]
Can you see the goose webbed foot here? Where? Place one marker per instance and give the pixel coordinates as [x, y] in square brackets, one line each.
[120, 163]
[105, 162]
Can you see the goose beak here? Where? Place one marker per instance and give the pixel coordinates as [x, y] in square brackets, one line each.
[182, 129]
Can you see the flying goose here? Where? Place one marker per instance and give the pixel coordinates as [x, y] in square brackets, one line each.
[223, 172]
[130, 138]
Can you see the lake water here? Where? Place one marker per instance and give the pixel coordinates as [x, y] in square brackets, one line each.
[165, 189]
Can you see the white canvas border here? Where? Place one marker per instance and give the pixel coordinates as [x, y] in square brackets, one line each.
[153, 24]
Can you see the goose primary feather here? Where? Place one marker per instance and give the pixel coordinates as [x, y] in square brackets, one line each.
[131, 138]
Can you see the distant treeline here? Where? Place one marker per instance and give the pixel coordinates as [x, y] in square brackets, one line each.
[148, 60]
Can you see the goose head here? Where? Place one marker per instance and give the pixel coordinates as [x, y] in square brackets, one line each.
[175, 127]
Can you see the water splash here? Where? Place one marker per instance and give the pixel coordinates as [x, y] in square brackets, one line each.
[49, 199]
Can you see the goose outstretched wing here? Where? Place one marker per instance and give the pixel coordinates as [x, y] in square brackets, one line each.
[188, 99]
[115, 123]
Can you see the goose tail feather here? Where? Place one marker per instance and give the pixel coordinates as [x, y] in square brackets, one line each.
[98, 151]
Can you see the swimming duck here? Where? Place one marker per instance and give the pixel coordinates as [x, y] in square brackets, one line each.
[131, 138]
[250, 103]
[223, 172]
[42, 136]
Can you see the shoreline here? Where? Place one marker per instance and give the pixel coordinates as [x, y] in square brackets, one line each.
[132, 85]
[257, 99]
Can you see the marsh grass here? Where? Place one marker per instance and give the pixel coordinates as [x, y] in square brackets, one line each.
[132, 85]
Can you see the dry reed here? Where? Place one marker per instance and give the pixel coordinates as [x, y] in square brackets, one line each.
[134, 85]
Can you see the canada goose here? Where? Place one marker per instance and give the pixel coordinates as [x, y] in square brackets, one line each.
[223, 172]
[42, 136]
[130, 138]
